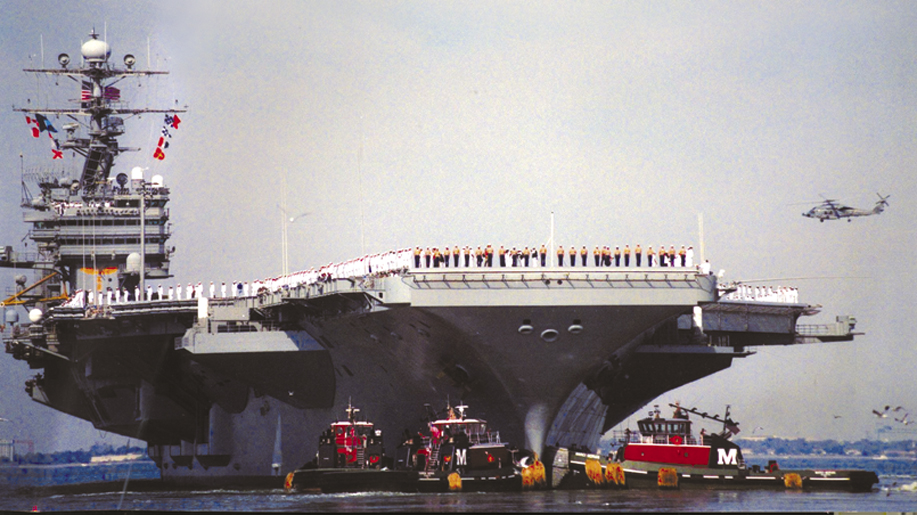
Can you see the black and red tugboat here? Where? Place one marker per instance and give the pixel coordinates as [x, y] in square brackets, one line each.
[461, 454]
[456, 454]
[350, 458]
[666, 454]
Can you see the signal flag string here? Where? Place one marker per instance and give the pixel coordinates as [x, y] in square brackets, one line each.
[41, 124]
[170, 123]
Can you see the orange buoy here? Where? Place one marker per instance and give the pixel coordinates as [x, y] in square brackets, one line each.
[667, 478]
[614, 474]
[533, 476]
[288, 483]
[594, 471]
[455, 482]
[792, 481]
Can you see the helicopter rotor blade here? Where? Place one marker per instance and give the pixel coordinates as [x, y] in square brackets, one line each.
[809, 203]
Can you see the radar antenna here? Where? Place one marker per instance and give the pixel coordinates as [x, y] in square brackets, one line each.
[101, 102]
[351, 411]
[730, 427]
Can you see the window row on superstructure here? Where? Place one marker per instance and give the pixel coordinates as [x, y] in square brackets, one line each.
[102, 240]
[97, 222]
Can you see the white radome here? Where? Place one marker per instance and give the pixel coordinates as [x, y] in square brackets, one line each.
[95, 51]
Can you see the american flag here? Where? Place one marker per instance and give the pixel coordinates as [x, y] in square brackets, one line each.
[112, 93]
[85, 91]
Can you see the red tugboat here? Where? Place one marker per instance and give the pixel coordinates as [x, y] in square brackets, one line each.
[461, 454]
[665, 454]
[350, 458]
[458, 454]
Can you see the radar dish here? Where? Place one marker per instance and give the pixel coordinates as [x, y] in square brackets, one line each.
[122, 179]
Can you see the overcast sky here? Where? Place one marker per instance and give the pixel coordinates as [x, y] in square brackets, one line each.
[397, 124]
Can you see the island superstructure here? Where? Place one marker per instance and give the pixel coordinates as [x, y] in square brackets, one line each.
[231, 384]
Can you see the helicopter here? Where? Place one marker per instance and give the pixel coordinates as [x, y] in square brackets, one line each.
[830, 209]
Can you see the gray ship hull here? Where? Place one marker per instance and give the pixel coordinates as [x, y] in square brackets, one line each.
[207, 382]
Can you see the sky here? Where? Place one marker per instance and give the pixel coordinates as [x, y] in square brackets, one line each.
[395, 124]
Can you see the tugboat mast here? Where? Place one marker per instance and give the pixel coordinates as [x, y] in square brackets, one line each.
[730, 427]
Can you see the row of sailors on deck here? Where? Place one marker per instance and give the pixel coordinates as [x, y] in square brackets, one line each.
[605, 256]
[375, 265]
[379, 265]
[786, 294]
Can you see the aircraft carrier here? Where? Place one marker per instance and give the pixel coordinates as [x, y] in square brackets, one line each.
[234, 384]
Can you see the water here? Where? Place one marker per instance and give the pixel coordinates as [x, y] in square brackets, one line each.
[39, 476]
[894, 494]
[76, 488]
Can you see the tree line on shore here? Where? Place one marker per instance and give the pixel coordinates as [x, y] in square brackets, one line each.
[79, 456]
[803, 447]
